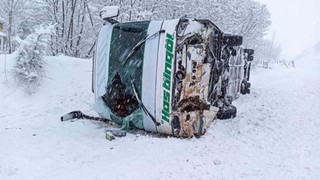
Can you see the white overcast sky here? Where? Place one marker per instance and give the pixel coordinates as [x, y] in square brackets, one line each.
[295, 23]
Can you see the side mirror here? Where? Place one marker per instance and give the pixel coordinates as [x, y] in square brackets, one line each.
[109, 12]
[232, 40]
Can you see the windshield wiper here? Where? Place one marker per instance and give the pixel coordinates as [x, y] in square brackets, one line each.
[139, 44]
[143, 107]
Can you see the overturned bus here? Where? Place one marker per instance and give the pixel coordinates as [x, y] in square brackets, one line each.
[170, 77]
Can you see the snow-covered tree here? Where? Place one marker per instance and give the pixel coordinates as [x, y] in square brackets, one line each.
[30, 66]
[247, 18]
[267, 51]
[78, 22]
[24, 29]
[13, 12]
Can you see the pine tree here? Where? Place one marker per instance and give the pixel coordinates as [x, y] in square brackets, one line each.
[30, 65]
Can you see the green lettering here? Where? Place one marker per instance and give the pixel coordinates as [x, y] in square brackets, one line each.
[166, 96]
[169, 57]
[167, 85]
[169, 45]
[170, 36]
[167, 69]
[166, 76]
[165, 117]
[167, 79]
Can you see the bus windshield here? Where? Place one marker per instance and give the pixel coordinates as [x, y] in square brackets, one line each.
[124, 76]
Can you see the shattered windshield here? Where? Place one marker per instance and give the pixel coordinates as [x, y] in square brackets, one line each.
[120, 94]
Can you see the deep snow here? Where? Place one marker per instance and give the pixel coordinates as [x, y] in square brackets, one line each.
[275, 135]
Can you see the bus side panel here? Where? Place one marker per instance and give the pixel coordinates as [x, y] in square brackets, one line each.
[165, 76]
[101, 65]
[149, 75]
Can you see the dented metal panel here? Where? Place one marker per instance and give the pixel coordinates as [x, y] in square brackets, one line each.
[192, 111]
[180, 75]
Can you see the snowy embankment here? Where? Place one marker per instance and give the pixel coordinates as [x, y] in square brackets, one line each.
[275, 135]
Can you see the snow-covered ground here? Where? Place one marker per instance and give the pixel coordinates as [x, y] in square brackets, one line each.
[275, 135]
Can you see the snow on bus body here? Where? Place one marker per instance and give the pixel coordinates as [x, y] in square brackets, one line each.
[239, 72]
[154, 75]
[236, 70]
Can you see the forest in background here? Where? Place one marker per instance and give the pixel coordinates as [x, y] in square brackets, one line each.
[76, 23]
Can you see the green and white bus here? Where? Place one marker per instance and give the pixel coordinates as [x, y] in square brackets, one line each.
[160, 76]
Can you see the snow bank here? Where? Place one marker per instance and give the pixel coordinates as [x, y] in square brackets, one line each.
[275, 135]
